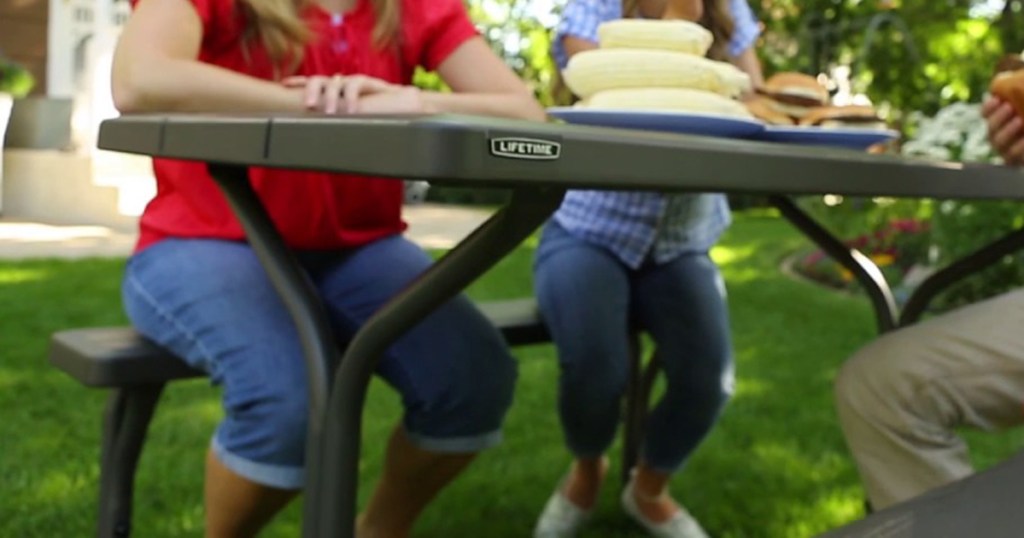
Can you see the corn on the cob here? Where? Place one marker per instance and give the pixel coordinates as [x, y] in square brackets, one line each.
[667, 99]
[597, 70]
[677, 36]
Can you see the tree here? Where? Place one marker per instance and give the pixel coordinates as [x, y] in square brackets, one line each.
[910, 54]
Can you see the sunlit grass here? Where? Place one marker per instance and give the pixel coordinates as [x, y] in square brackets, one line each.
[775, 466]
[14, 275]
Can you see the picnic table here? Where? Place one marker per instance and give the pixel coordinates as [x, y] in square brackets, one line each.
[538, 162]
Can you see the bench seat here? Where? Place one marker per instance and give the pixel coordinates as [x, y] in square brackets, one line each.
[137, 371]
[119, 356]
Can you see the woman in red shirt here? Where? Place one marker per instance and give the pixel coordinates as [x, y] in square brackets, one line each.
[194, 285]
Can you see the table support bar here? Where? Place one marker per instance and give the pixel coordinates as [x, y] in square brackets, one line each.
[867, 273]
[957, 271]
[330, 509]
[304, 306]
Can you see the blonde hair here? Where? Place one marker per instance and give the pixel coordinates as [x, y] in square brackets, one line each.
[279, 26]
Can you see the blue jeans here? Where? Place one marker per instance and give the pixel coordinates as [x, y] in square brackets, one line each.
[588, 299]
[210, 302]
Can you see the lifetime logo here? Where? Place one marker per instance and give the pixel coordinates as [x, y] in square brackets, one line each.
[525, 148]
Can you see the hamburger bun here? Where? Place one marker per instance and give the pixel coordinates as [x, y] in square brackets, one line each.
[1009, 86]
[760, 106]
[794, 94]
[849, 116]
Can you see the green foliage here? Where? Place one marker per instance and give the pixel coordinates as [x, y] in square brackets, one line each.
[517, 34]
[960, 227]
[14, 78]
[922, 55]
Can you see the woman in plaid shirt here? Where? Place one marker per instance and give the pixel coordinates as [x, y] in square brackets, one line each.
[607, 258]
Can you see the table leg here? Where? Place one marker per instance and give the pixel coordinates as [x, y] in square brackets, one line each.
[958, 270]
[330, 508]
[319, 347]
[867, 273]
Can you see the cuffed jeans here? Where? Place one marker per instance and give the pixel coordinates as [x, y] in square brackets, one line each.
[210, 302]
[589, 299]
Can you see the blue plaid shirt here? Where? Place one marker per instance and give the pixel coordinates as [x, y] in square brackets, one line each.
[637, 225]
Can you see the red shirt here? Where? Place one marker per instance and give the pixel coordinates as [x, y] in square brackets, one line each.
[312, 210]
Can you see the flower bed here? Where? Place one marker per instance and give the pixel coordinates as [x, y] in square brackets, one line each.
[898, 249]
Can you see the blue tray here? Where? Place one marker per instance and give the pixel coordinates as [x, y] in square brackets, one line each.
[673, 122]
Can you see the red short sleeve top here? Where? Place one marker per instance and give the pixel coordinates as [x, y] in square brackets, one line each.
[312, 210]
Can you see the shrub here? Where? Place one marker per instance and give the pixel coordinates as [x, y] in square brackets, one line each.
[14, 78]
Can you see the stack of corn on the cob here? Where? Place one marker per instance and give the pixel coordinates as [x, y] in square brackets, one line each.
[655, 65]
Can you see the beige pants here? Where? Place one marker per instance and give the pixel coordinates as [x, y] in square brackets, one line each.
[900, 397]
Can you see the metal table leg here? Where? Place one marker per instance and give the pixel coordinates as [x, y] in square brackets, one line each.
[867, 273]
[957, 271]
[334, 432]
[330, 508]
[296, 291]
[870, 276]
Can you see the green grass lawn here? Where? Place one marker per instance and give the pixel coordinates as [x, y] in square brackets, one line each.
[775, 466]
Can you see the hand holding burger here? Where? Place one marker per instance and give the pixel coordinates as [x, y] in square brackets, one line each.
[1002, 112]
[1008, 82]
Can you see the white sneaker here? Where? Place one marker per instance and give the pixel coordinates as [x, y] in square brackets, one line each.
[680, 525]
[560, 518]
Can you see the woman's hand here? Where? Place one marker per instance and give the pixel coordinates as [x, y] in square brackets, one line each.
[1004, 130]
[351, 94]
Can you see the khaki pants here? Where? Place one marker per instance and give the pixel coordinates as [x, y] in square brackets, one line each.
[900, 397]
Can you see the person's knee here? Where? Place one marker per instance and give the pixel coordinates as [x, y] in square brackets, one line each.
[491, 398]
[289, 422]
[270, 430]
[465, 405]
[877, 376]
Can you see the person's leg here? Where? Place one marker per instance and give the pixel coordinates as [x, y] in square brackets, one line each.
[453, 371]
[209, 302]
[682, 304]
[235, 505]
[901, 397]
[583, 294]
[410, 479]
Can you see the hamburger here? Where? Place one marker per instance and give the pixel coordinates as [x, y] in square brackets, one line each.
[1008, 82]
[762, 109]
[794, 94]
[849, 116]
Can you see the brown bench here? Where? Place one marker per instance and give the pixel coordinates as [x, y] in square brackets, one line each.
[137, 370]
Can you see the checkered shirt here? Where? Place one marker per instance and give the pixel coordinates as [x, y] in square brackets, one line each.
[634, 225]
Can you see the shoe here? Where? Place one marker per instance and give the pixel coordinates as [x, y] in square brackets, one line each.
[680, 525]
[560, 518]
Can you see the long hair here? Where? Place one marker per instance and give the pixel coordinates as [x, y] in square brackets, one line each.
[279, 27]
[717, 19]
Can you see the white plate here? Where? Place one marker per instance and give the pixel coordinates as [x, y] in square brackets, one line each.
[817, 136]
[673, 122]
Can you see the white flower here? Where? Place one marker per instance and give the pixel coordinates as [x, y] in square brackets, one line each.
[956, 132]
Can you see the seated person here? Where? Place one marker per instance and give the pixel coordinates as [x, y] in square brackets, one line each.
[901, 398]
[194, 284]
[606, 256]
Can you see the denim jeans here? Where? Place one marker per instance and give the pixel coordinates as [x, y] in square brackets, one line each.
[588, 298]
[210, 302]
